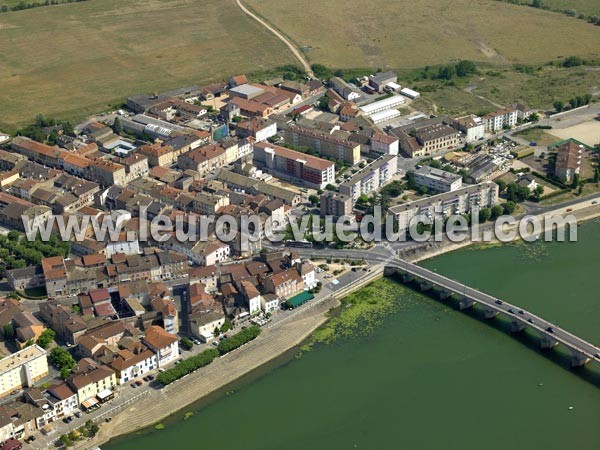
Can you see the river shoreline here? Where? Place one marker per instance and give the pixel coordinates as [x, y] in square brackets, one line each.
[272, 344]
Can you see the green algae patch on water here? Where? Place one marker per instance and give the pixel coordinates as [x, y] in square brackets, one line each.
[159, 426]
[360, 313]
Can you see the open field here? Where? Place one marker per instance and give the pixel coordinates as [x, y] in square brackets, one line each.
[400, 33]
[541, 137]
[74, 59]
[540, 88]
[587, 132]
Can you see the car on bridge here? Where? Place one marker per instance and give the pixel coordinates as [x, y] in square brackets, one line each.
[550, 330]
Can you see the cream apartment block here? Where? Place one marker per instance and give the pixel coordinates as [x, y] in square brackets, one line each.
[22, 369]
[324, 143]
[371, 177]
[498, 120]
[461, 201]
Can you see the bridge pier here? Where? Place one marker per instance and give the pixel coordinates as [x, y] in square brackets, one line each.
[578, 359]
[443, 294]
[516, 326]
[547, 342]
[465, 303]
[425, 286]
[407, 278]
[489, 313]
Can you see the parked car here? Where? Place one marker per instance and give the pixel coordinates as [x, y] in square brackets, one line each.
[138, 382]
[133, 385]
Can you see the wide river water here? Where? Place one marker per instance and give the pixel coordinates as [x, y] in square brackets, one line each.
[429, 377]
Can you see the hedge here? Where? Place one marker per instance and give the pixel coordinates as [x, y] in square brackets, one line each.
[187, 366]
[239, 339]
[552, 181]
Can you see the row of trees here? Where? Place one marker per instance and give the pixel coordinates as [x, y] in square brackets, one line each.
[17, 252]
[462, 69]
[29, 5]
[195, 362]
[568, 12]
[575, 102]
[187, 366]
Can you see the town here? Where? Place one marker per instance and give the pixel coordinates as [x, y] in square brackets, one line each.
[89, 325]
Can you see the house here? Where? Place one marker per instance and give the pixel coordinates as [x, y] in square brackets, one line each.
[90, 379]
[168, 313]
[257, 127]
[269, 303]
[383, 144]
[63, 399]
[307, 271]
[523, 111]
[283, 284]
[251, 295]
[208, 276]
[133, 361]
[343, 89]
[163, 343]
[203, 324]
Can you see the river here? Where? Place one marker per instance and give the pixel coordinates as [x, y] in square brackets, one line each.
[428, 376]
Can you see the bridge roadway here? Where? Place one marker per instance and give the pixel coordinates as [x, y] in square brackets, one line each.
[582, 350]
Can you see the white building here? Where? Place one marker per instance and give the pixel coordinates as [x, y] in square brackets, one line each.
[22, 369]
[252, 296]
[407, 92]
[383, 105]
[498, 120]
[203, 325]
[437, 180]
[465, 200]
[384, 116]
[63, 399]
[269, 303]
[163, 343]
[130, 365]
[371, 177]
[472, 126]
[384, 144]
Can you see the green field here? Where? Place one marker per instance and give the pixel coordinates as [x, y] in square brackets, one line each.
[78, 58]
[401, 33]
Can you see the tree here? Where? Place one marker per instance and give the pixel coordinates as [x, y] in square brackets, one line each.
[117, 125]
[330, 187]
[501, 185]
[509, 207]
[4, 8]
[575, 181]
[62, 359]
[186, 343]
[538, 192]
[46, 338]
[597, 175]
[534, 117]
[8, 331]
[313, 199]
[573, 103]
[497, 211]
[485, 214]
[559, 105]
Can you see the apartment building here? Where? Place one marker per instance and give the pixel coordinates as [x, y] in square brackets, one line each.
[370, 178]
[299, 167]
[163, 343]
[437, 180]
[325, 144]
[472, 126]
[22, 369]
[501, 119]
[465, 200]
[259, 128]
[335, 204]
[203, 159]
[568, 161]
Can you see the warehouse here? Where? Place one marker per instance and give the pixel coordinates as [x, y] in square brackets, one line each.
[383, 116]
[383, 105]
[410, 93]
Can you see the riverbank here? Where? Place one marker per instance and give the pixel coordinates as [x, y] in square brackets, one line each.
[582, 212]
[273, 342]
